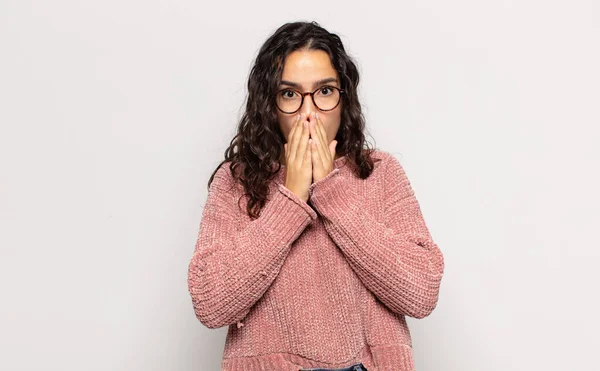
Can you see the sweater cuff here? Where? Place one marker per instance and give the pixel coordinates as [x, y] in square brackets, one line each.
[291, 195]
[327, 190]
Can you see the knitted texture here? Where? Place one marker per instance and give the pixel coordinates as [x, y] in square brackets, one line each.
[320, 284]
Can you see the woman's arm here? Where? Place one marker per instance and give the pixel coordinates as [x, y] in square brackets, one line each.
[396, 259]
[232, 267]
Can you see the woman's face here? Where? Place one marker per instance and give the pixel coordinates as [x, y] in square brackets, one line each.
[305, 71]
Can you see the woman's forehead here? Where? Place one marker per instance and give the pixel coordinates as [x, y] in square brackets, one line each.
[307, 57]
[307, 68]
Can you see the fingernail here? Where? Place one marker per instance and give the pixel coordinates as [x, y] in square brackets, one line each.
[316, 114]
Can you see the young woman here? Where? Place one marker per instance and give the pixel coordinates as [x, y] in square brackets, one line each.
[312, 247]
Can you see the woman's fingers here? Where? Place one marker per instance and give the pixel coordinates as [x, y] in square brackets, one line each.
[296, 121]
[303, 141]
[321, 130]
[292, 138]
[308, 153]
[320, 144]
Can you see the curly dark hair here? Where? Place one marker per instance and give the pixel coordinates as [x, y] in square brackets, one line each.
[259, 140]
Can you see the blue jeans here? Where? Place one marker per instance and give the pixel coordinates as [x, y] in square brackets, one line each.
[355, 367]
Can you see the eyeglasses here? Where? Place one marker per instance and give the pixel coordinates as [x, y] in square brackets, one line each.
[326, 98]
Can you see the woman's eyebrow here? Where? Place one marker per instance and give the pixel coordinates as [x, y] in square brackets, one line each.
[316, 83]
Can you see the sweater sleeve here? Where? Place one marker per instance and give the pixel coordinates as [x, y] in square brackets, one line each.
[233, 266]
[396, 259]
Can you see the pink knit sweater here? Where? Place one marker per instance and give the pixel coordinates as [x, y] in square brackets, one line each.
[325, 283]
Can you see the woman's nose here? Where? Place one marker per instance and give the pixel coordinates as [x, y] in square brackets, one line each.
[308, 107]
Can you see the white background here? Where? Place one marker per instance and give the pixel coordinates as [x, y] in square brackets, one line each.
[114, 113]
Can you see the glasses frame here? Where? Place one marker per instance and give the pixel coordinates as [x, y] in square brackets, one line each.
[312, 96]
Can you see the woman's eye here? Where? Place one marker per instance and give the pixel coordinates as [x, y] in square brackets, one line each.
[325, 90]
[287, 94]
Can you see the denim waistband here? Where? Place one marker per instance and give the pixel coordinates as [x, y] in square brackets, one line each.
[355, 367]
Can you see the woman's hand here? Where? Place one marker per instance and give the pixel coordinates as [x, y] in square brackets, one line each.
[298, 164]
[322, 152]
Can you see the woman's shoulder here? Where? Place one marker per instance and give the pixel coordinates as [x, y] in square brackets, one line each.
[383, 159]
[223, 178]
[387, 165]
[378, 155]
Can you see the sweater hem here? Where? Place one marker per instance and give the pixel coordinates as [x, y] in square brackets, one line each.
[386, 357]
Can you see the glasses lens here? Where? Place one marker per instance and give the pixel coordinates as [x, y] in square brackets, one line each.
[327, 98]
[288, 100]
